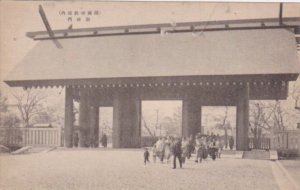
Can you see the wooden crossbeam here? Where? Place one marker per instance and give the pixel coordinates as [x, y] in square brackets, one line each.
[48, 28]
[45, 21]
[166, 31]
[268, 23]
[280, 13]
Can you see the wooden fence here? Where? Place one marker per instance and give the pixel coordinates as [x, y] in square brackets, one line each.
[30, 136]
[287, 139]
[259, 143]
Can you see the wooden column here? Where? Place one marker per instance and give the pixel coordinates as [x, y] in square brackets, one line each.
[116, 132]
[83, 119]
[242, 118]
[94, 126]
[137, 117]
[69, 118]
[191, 117]
[126, 121]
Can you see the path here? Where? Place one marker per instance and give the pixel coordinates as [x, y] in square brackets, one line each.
[124, 169]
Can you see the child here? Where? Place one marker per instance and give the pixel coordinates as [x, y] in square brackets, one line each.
[154, 153]
[146, 156]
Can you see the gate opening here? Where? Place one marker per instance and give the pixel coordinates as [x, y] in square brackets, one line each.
[106, 124]
[160, 119]
[220, 121]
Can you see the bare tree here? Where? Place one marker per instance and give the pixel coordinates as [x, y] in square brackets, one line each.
[147, 127]
[223, 124]
[46, 115]
[3, 108]
[150, 126]
[278, 116]
[3, 103]
[257, 117]
[7, 119]
[177, 119]
[157, 121]
[295, 94]
[106, 128]
[29, 104]
[168, 126]
[264, 117]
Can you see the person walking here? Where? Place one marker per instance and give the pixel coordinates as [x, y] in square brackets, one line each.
[160, 147]
[76, 139]
[191, 146]
[213, 149]
[154, 153]
[146, 156]
[167, 149]
[104, 140]
[231, 143]
[185, 149]
[200, 148]
[219, 144]
[177, 151]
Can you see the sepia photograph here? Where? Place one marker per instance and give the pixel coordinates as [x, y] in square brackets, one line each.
[149, 95]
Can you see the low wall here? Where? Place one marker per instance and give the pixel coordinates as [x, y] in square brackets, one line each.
[288, 139]
[30, 136]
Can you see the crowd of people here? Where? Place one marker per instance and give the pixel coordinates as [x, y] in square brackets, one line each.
[202, 146]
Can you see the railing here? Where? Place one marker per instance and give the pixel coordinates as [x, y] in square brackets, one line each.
[259, 143]
[288, 139]
[30, 136]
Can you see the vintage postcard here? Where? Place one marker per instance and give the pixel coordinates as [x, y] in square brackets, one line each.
[149, 95]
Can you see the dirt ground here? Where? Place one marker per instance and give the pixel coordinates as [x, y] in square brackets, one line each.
[124, 169]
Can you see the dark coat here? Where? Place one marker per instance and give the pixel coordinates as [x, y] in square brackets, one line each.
[104, 140]
[177, 148]
[146, 154]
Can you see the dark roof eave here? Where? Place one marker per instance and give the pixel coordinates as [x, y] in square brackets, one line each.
[121, 80]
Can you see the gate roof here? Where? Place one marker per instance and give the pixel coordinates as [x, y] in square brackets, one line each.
[222, 53]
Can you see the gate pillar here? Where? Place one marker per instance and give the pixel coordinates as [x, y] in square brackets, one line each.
[242, 118]
[69, 118]
[83, 119]
[94, 126]
[191, 117]
[126, 121]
